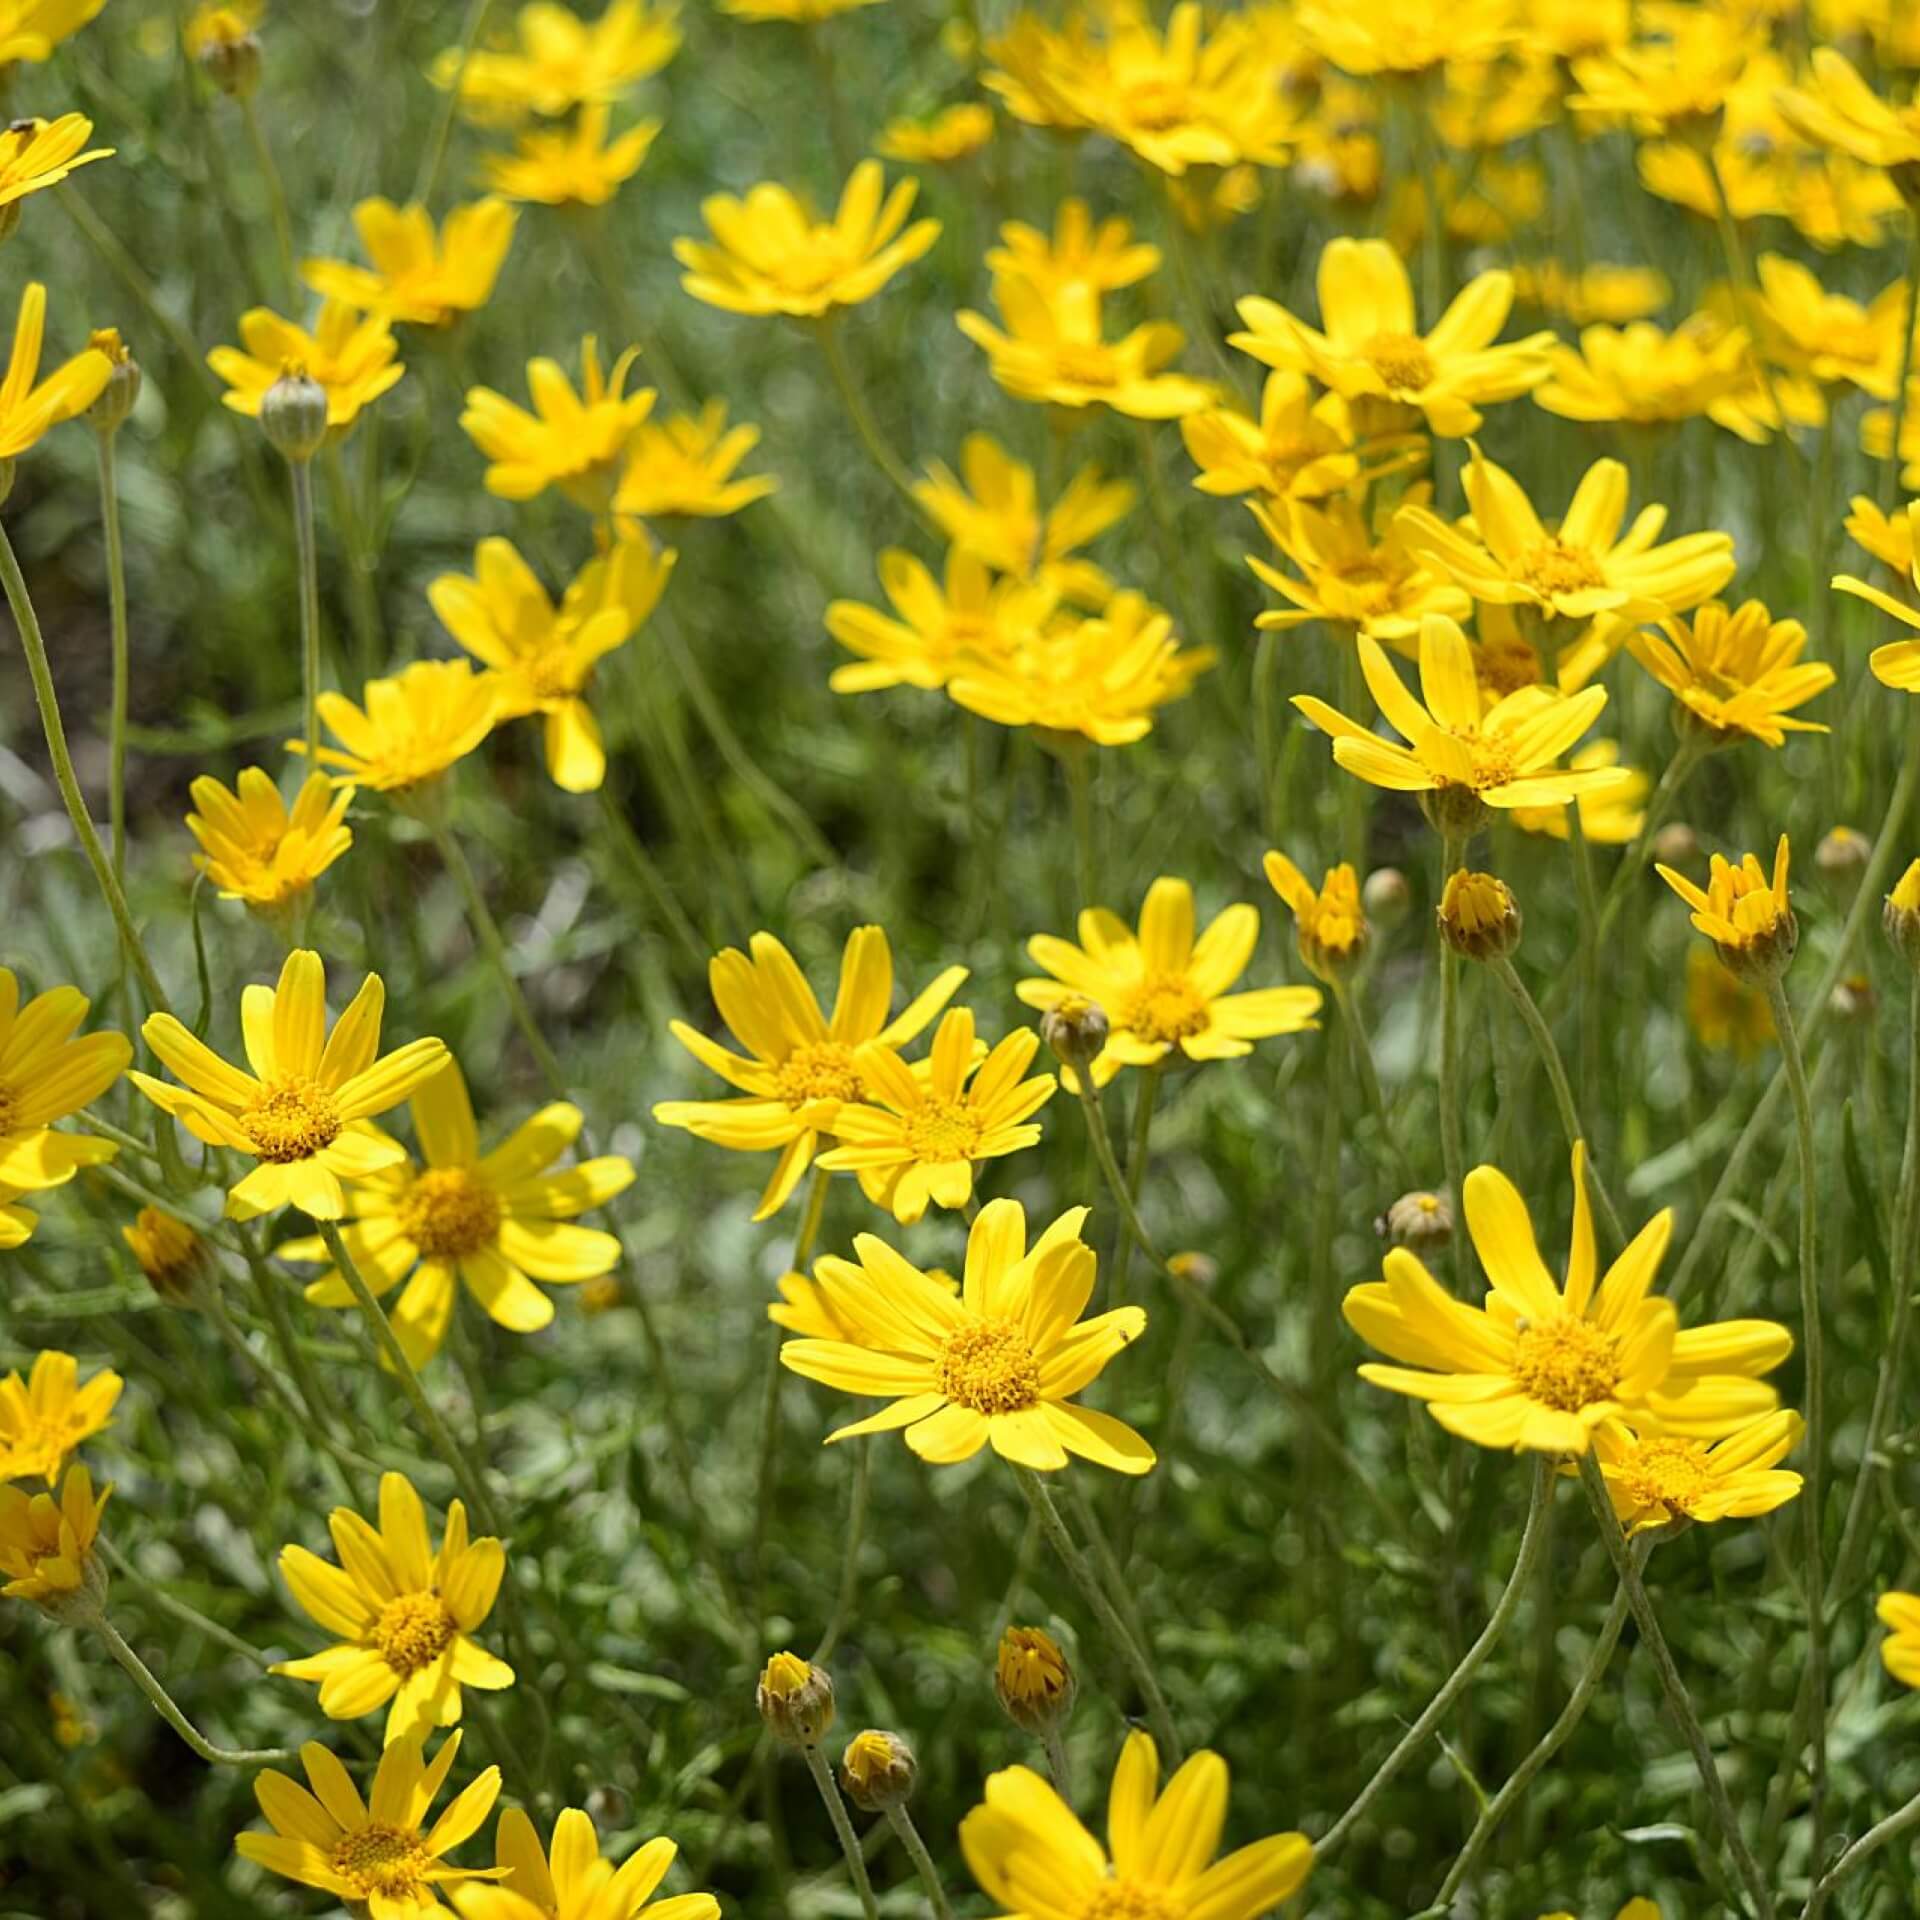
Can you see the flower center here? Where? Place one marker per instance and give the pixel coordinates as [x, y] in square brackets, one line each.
[1555, 567]
[1123, 1900]
[1366, 588]
[1402, 362]
[413, 1631]
[381, 1860]
[1164, 1008]
[940, 1130]
[448, 1212]
[822, 1071]
[1666, 1472]
[554, 674]
[1566, 1363]
[988, 1366]
[1157, 104]
[291, 1120]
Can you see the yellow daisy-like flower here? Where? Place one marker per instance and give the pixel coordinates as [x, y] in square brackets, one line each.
[575, 165]
[1028, 1850]
[46, 1545]
[917, 1137]
[46, 1416]
[1614, 295]
[1739, 674]
[349, 354]
[1900, 1615]
[572, 440]
[1457, 749]
[1839, 110]
[404, 1613]
[1889, 537]
[1369, 343]
[575, 1883]
[46, 1074]
[1897, 664]
[256, 848]
[768, 254]
[1610, 818]
[302, 1112]
[801, 1067]
[1397, 37]
[996, 1365]
[31, 29]
[1300, 448]
[41, 153]
[1078, 252]
[1330, 924]
[971, 621]
[1656, 1479]
[1585, 568]
[561, 61]
[1540, 1367]
[685, 466]
[1645, 376]
[498, 1221]
[1727, 1014]
[377, 1854]
[410, 727]
[29, 406]
[1677, 83]
[952, 134]
[1827, 336]
[1164, 991]
[419, 275]
[543, 657]
[1743, 910]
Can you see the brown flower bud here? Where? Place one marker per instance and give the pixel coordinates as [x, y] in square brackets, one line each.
[795, 1699]
[878, 1771]
[1421, 1222]
[1076, 1030]
[1479, 916]
[1033, 1680]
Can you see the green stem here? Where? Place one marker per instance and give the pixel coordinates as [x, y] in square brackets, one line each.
[308, 562]
[842, 1829]
[652, 881]
[162, 1703]
[1453, 1154]
[363, 602]
[901, 1821]
[190, 1617]
[1687, 754]
[820, 54]
[856, 1533]
[436, 154]
[275, 189]
[1080, 791]
[1360, 1045]
[1058, 1764]
[122, 672]
[1863, 1849]
[892, 468]
[1145, 1098]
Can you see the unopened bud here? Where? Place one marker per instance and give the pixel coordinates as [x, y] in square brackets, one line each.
[1479, 916]
[293, 414]
[1842, 850]
[1033, 1680]
[1901, 915]
[228, 51]
[170, 1254]
[795, 1699]
[877, 1771]
[1676, 844]
[118, 397]
[1387, 897]
[600, 1294]
[1195, 1269]
[1076, 1030]
[1421, 1222]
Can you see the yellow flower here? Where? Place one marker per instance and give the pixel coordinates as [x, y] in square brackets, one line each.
[46, 1416]
[419, 275]
[801, 1067]
[1827, 336]
[576, 1883]
[1841, 111]
[1502, 757]
[302, 1112]
[1614, 295]
[41, 153]
[1023, 1836]
[1355, 574]
[377, 1855]
[497, 1221]
[30, 405]
[1646, 376]
[1675, 84]
[1876, 436]
[405, 1615]
[253, 847]
[1391, 37]
[1104, 258]
[1330, 926]
[769, 255]
[543, 657]
[1301, 447]
[573, 440]
[350, 355]
[411, 727]
[561, 61]
[684, 465]
[31, 29]
[1900, 1615]
[917, 1136]
[1727, 1014]
[802, 1307]
[215, 26]
[1738, 673]
[1339, 154]
[1584, 569]
[1540, 1367]
[998, 1365]
[1889, 537]
[1162, 990]
[952, 134]
[46, 1074]
[991, 510]
[1656, 1479]
[971, 622]
[1897, 664]
[1743, 911]
[1371, 344]
[574, 166]
[1610, 818]
[801, 12]
[1636, 1909]
[169, 1253]
[46, 1545]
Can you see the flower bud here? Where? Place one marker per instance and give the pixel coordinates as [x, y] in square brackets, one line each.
[1076, 1030]
[1901, 915]
[1421, 1222]
[1676, 844]
[878, 1771]
[118, 397]
[228, 50]
[1386, 897]
[170, 1254]
[600, 1294]
[1033, 1680]
[1479, 916]
[1842, 850]
[1196, 1269]
[795, 1699]
[293, 413]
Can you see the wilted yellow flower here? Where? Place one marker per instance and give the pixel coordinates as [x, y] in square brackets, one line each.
[998, 1365]
[575, 165]
[1370, 345]
[30, 405]
[576, 1883]
[561, 61]
[542, 657]
[1655, 1479]
[1612, 817]
[302, 1113]
[572, 440]
[1743, 911]
[411, 727]
[970, 623]
[952, 134]
[419, 275]
[1897, 664]
[256, 848]
[46, 1545]
[1392, 37]
[1614, 295]
[1889, 537]
[1738, 673]
[405, 1614]
[1646, 376]
[1330, 925]
[46, 1416]
[497, 1221]
[801, 1068]
[1839, 110]
[1727, 1014]
[1541, 1367]
[351, 356]
[684, 465]
[768, 254]
[169, 1253]
[41, 153]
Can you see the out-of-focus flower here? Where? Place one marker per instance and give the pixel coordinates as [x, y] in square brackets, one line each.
[1897, 664]
[1675, 84]
[171, 1255]
[417, 274]
[573, 166]
[1839, 110]
[1613, 295]
[1302, 447]
[1396, 37]
[1727, 1014]
[410, 728]
[256, 848]
[684, 465]
[47, 1546]
[1889, 537]
[1644, 376]
[1827, 336]
[575, 441]
[46, 1416]
[45, 1075]
[1611, 818]
[972, 622]
[1078, 253]
[353, 357]
[1738, 673]
[561, 61]
[30, 30]
[952, 134]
